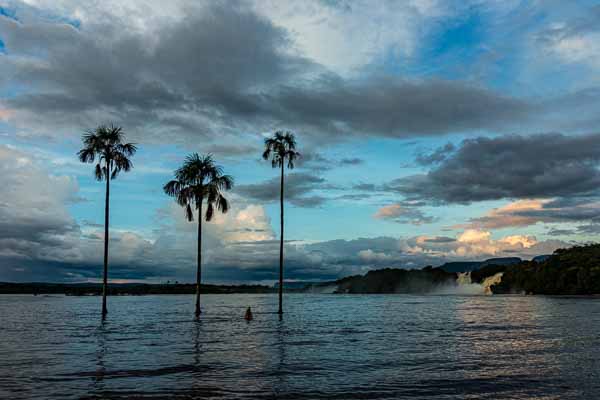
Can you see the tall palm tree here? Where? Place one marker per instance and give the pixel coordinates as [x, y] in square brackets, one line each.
[105, 144]
[281, 150]
[200, 180]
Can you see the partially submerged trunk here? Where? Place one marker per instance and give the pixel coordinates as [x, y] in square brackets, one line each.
[106, 219]
[281, 245]
[199, 261]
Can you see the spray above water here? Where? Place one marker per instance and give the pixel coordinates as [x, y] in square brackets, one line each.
[464, 278]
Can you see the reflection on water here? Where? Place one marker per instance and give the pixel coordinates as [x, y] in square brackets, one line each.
[100, 353]
[326, 346]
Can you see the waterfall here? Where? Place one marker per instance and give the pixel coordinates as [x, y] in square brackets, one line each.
[464, 278]
[491, 280]
[464, 284]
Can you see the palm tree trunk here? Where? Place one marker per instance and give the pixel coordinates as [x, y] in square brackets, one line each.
[106, 214]
[199, 260]
[281, 246]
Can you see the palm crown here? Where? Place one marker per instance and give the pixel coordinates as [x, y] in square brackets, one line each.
[281, 147]
[199, 180]
[105, 144]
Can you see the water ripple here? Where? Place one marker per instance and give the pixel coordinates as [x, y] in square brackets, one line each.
[326, 346]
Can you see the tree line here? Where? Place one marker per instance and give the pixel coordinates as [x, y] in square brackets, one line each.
[198, 187]
[572, 271]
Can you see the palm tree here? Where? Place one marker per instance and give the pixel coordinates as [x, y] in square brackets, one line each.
[200, 180]
[105, 144]
[281, 150]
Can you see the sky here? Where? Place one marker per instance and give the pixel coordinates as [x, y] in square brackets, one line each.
[429, 131]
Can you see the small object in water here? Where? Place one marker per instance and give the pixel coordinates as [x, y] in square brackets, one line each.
[248, 316]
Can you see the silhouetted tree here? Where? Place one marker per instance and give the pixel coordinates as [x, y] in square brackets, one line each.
[281, 150]
[200, 180]
[105, 145]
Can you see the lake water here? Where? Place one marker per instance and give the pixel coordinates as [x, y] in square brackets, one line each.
[326, 346]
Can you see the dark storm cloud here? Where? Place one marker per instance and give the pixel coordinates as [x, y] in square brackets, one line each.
[315, 161]
[560, 232]
[593, 229]
[395, 108]
[587, 212]
[351, 161]
[440, 239]
[298, 187]
[436, 156]
[221, 70]
[404, 213]
[587, 229]
[537, 166]
[200, 65]
[366, 187]
[530, 212]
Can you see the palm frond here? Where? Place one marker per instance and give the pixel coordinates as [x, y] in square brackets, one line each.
[173, 187]
[127, 149]
[291, 157]
[222, 204]
[99, 172]
[105, 145]
[267, 153]
[189, 213]
[281, 149]
[185, 196]
[224, 182]
[199, 180]
[210, 210]
[290, 141]
[211, 192]
[121, 162]
[87, 155]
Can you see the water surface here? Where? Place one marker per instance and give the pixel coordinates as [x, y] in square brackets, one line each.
[326, 346]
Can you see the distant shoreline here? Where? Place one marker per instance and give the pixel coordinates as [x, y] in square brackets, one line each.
[149, 289]
[126, 289]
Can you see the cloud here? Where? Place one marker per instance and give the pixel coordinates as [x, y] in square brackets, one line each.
[529, 212]
[356, 31]
[180, 74]
[175, 77]
[403, 213]
[298, 189]
[439, 239]
[390, 107]
[33, 214]
[315, 161]
[585, 229]
[40, 239]
[590, 229]
[512, 166]
[560, 232]
[351, 161]
[514, 214]
[479, 244]
[575, 40]
[435, 157]
[169, 76]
